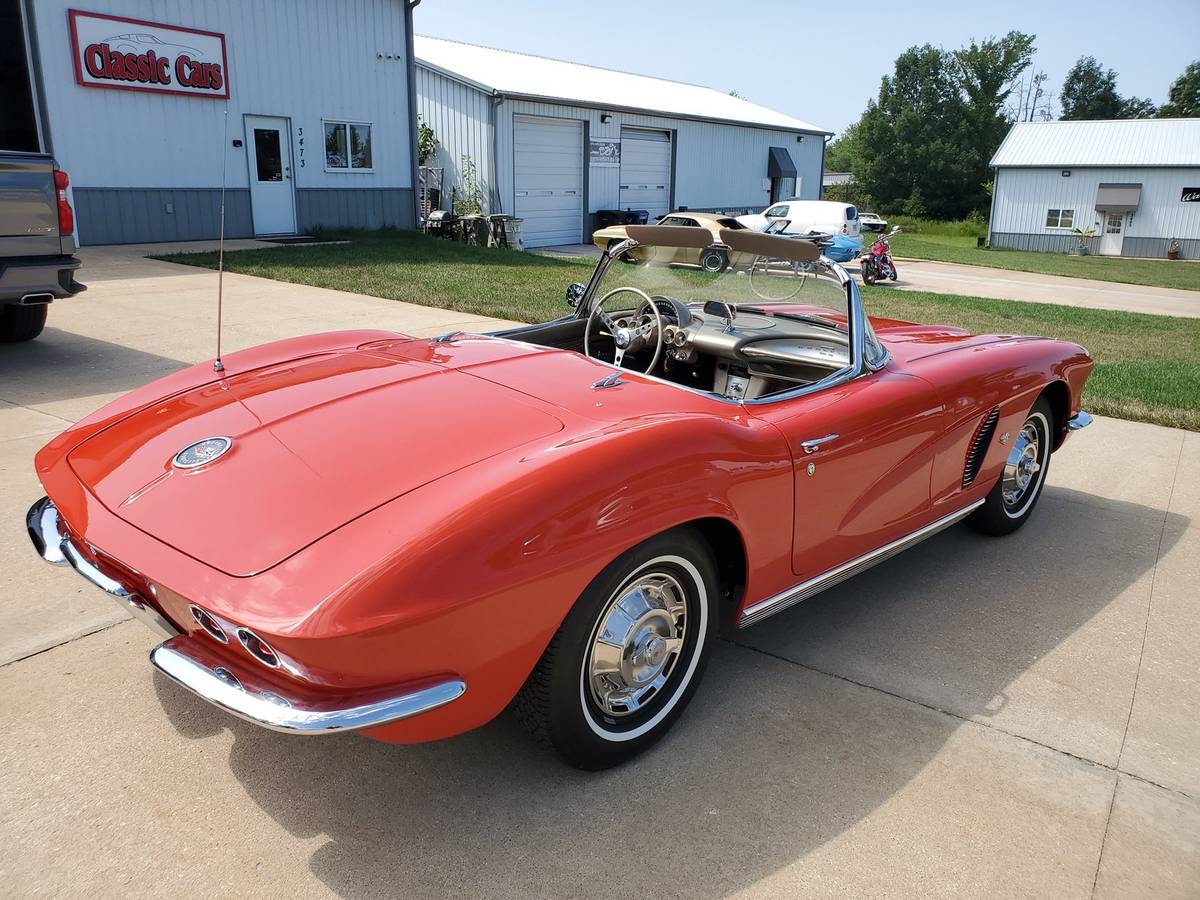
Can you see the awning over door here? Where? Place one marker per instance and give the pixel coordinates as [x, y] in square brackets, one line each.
[779, 163]
[1118, 197]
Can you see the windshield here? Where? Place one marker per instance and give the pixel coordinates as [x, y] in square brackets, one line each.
[695, 276]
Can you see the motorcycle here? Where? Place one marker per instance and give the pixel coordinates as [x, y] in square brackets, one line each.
[877, 262]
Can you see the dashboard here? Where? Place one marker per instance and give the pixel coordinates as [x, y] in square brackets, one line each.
[750, 353]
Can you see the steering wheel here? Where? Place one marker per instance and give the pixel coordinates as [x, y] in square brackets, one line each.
[633, 337]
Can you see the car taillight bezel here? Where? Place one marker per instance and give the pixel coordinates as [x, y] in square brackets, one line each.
[66, 215]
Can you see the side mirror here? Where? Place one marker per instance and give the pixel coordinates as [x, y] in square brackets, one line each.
[575, 292]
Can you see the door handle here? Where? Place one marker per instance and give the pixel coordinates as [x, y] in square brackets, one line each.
[812, 445]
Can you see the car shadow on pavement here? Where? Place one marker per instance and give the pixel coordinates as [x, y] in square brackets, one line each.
[62, 365]
[772, 760]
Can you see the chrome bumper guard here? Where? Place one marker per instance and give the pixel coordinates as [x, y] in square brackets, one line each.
[179, 660]
[56, 548]
[1078, 421]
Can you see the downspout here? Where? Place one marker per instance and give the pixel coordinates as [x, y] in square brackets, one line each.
[494, 173]
[409, 6]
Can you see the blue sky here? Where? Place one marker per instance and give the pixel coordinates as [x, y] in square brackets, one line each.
[803, 60]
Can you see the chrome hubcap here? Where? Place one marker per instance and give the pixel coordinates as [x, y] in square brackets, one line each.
[1023, 464]
[637, 644]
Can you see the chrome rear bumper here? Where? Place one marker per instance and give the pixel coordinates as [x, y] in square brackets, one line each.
[242, 693]
[224, 688]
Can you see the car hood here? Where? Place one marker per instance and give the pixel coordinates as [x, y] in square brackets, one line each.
[316, 442]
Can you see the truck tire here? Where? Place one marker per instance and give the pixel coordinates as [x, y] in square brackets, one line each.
[22, 323]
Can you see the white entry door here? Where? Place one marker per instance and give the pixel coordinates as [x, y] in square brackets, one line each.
[1113, 234]
[269, 151]
[548, 169]
[646, 171]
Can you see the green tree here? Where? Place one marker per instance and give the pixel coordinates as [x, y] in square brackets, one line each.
[1138, 108]
[1183, 98]
[917, 141]
[1090, 92]
[842, 153]
[987, 72]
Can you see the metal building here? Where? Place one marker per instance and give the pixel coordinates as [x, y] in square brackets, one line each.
[553, 142]
[1136, 182]
[130, 96]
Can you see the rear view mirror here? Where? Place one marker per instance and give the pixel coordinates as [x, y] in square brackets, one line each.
[575, 292]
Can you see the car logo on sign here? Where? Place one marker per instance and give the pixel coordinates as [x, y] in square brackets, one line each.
[201, 453]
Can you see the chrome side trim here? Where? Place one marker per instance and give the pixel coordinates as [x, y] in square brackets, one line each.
[755, 613]
[269, 709]
[1078, 421]
[55, 547]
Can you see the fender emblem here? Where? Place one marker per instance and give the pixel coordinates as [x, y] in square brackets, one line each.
[1004, 438]
[201, 453]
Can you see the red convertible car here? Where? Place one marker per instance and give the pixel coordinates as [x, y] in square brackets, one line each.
[405, 536]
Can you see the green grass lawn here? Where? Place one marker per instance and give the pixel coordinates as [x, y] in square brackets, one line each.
[1147, 367]
[954, 242]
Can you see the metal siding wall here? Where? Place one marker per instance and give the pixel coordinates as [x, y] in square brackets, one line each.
[125, 215]
[1040, 243]
[460, 118]
[302, 59]
[716, 166]
[1024, 195]
[1156, 248]
[351, 208]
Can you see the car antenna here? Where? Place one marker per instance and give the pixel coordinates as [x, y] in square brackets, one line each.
[219, 366]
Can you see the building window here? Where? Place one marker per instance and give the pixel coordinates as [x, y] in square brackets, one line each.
[1060, 218]
[348, 147]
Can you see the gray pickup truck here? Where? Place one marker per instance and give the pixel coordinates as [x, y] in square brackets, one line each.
[37, 244]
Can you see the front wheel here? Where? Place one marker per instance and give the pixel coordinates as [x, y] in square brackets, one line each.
[628, 656]
[1010, 502]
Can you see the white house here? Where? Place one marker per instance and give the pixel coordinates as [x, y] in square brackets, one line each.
[1136, 182]
[131, 97]
[553, 142]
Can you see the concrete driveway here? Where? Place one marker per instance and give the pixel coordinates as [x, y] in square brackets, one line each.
[977, 717]
[1003, 284]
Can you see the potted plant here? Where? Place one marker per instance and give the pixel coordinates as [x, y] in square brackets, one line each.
[1082, 235]
[1173, 248]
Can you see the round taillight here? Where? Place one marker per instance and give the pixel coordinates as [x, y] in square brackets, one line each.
[209, 624]
[258, 648]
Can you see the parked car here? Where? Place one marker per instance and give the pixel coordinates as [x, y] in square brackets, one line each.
[714, 257]
[804, 216]
[871, 222]
[37, 243]
[837, 248]
[404, 536]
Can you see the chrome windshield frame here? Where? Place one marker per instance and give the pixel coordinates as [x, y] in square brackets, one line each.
[856, 322]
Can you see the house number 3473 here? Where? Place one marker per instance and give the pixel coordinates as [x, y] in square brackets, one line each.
[300, 143]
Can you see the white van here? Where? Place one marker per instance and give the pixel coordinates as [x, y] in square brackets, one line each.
[804, 216]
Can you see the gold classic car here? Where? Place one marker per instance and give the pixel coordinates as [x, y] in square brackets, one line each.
[714, 258]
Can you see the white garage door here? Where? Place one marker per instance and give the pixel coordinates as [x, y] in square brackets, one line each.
[549, 180]
[646, 171]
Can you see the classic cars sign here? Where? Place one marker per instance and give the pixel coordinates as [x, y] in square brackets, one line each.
[133, 55]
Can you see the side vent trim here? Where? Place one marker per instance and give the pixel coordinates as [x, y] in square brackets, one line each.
[979, 446]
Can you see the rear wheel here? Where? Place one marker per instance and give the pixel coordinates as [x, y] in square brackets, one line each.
[714, 259]
[629, 655]
[1010, 502]
[22, 323]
